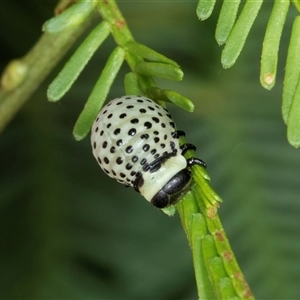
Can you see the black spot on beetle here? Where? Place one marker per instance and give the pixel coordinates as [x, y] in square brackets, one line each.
[172, 124]
[153, 151]
[129, 149]
[119, 160]
[135, 159]
[117, 131]
[132, 132]
[146, 147]
[112, 149]
[143, 161]
[147, 125]
[128, 166]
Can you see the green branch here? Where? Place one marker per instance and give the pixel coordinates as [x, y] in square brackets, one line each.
[23, 76]
[217, 272]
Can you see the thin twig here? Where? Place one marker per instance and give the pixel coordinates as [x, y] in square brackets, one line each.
[23, 76]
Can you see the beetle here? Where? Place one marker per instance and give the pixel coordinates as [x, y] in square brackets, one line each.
[134, 141]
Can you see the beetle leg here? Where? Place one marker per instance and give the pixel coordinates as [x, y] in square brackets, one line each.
[186, 147]
[177, 134]
[195, 161]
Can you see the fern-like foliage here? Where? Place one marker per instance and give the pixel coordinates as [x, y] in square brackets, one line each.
[233, 29]
[217, 272]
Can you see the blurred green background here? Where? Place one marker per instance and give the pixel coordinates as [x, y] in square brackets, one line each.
[67, 231]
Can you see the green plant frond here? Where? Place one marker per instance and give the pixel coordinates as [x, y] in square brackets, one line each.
[73, 16]
[148, 53]
[77, 62]
[226, 20]
[160, 70]
[171, 96]
[239, 33]
[33, 181]
[233, 33]
[294, 120]
[217, 272]
[139, 80]
[131, 84]
[292, 70]
[271, 42]
[99, 93]
[205, 8]
[296, 4]
[199, 208]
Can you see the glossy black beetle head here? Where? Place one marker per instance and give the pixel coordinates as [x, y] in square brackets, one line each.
[173, 190]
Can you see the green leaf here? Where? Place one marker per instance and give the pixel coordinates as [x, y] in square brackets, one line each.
[198, 231]
[296, 4]
[179, 100]
[292, 71]
[145, 82]
[147, 53]
[226, 20]
[239, 33]
[162, 70]
[171, 96]
[131, 84]
[99, 93]
[270, 49]
[293, 126]
[205, 8]
[73, 16]
[67, 76]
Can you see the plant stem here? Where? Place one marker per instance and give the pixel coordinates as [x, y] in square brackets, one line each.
[23, 76]
[110, 12]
